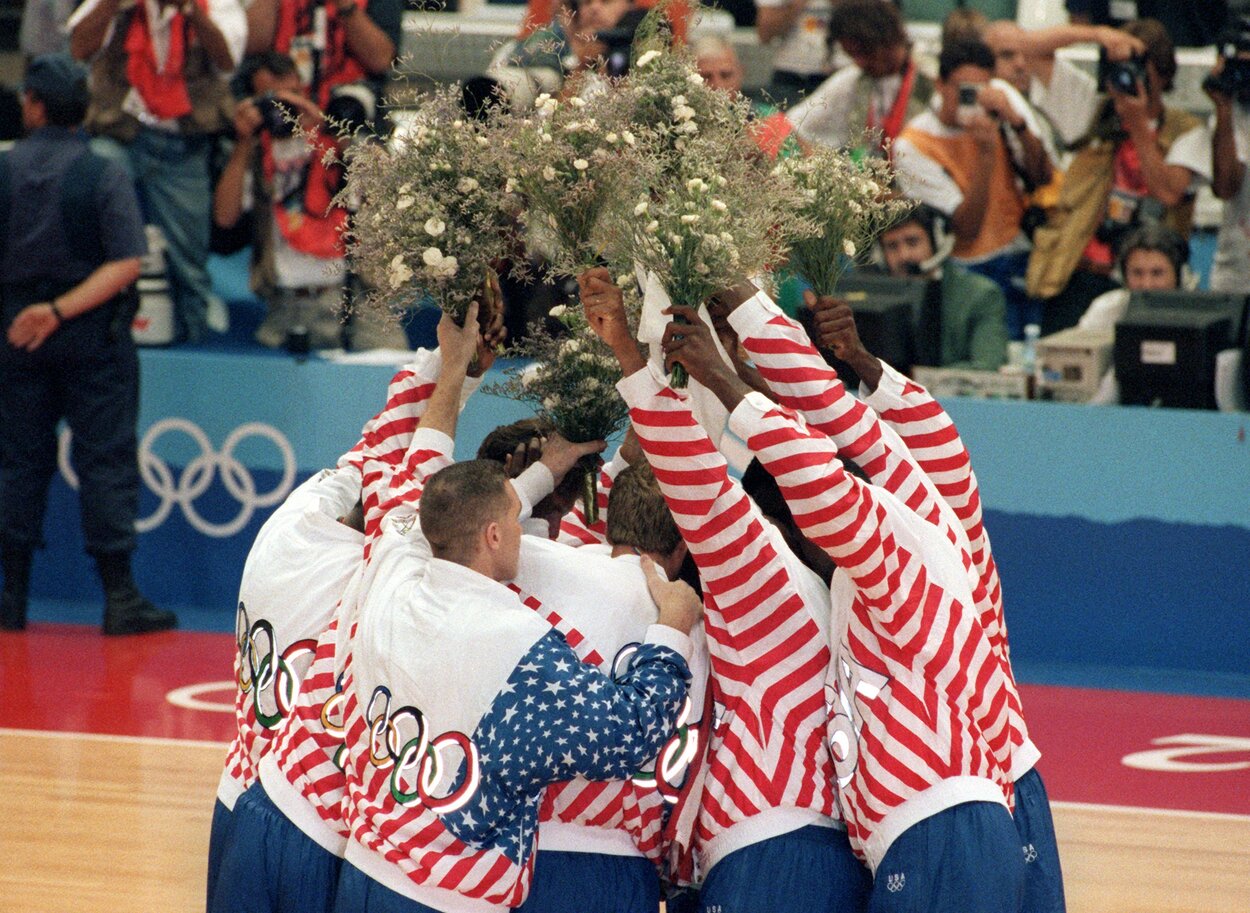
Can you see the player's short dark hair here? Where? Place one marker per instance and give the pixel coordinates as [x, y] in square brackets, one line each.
[638, 515]
[458, 502]
[867, 24]
[964, 52]
[506, 438]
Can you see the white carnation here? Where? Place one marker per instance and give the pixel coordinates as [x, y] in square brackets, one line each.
[688, 127]
[849, 247]
[581, 164]
[549, 173]
[679, 100]
[696, 185]
[434, 227]
[509, 186]
[432, 256]
[399, 271]
[628, 137]
[683, 113]
[652, 226]
[694, 79]
[577, 102]
[690, 218]
[467, 185]
[559, 311]
[641, 208]
[719, 205]
[612, 138]
[647, 58]
[404, 202]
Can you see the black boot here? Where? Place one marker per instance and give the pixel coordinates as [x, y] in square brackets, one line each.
[15, 564]
[126, 611]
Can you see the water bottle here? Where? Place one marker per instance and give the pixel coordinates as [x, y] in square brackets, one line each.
[1032, 332]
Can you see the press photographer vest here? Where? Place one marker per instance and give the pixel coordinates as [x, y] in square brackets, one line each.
[1059, 245]
[211, 105]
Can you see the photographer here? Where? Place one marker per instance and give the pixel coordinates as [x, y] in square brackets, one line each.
[277, 170]
[1229, 89]
[585, 37]
[958, 158]
[332, 42]
[1139, 162]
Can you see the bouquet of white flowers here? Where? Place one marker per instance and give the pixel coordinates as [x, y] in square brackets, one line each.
[433, 216]
[571, 382]
[848, 204]
[702, 220]
[566, 166]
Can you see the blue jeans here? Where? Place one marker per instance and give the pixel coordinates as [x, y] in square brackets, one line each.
[1007, 272]
[170, 172]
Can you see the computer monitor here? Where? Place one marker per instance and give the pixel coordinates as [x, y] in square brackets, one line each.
[889, 313]
[1230, 304]
[1166, 356]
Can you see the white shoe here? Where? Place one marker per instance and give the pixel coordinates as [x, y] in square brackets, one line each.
[217, 316]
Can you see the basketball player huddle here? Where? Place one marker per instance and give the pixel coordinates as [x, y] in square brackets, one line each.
[781, 689]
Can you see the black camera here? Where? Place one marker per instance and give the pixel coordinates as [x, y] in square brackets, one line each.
[1121, 75]
[277, 119]
[1234, 79]
[351, 107]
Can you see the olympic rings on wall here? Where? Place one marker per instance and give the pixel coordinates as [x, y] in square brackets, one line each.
[182, 489]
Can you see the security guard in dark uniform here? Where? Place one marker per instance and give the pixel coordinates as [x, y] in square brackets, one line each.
[71, 239]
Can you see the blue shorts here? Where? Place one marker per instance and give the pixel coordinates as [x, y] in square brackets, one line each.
[593, 883]
[218, 839]
[358, 893]
[811, 869]
[964, 859]
[1043, 878]
[271, 866]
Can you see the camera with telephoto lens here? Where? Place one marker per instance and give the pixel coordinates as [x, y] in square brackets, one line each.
[277, 119]
[1121, 75]
[1233, 79]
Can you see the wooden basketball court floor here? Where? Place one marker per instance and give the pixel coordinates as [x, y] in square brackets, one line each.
[110, 754]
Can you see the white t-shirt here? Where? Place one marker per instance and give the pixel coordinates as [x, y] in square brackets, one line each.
[1232, 248]
[227, 15]
[1070, 101]
[805, 48]
[828, 116]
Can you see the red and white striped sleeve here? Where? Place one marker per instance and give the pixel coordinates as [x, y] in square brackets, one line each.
[769, 657]
[723, 529]
[574, 530]
[803, 381]
[930, 435]
[852, 521]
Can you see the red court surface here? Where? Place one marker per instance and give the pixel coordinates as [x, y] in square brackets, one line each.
[1103, 747]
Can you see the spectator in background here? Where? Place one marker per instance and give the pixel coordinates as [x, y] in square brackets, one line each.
[956, 157]
[963, 323]
[43, 27]
[721, 69]
[962, 23]
[333, 43]
[584, 37]
[298, 261]
[867, 104]
[1151, 258]
[1139, 162]
[159, 95]
[1230, 151]
[802, 57]
[70, 248]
